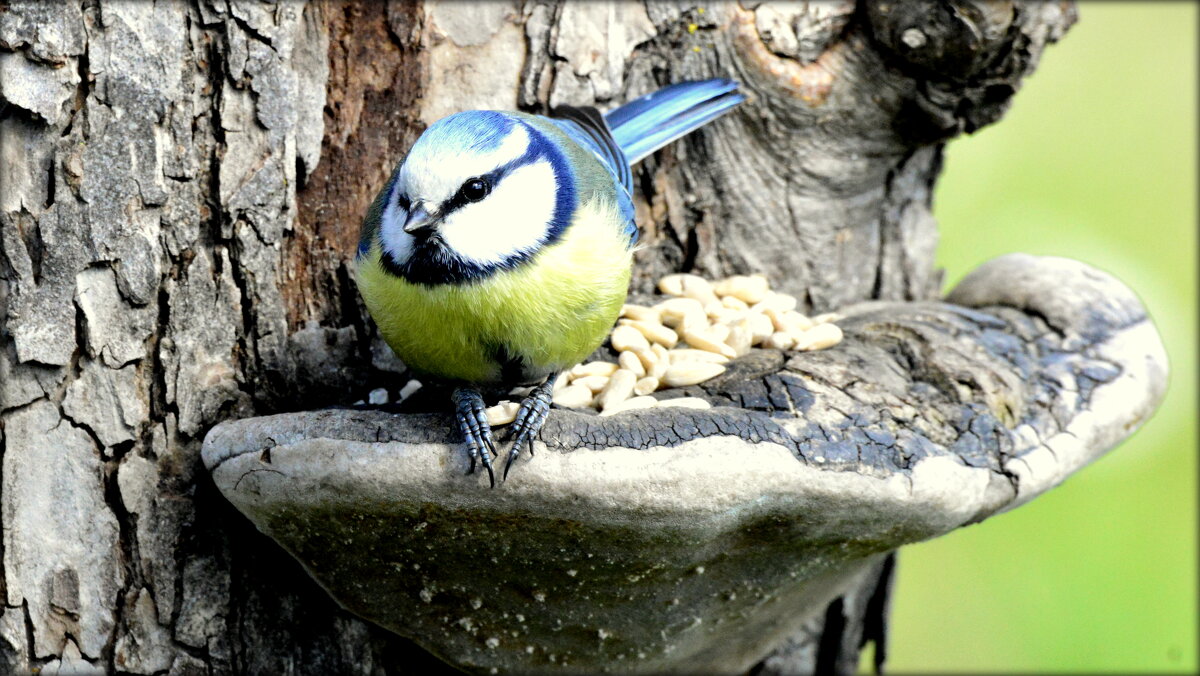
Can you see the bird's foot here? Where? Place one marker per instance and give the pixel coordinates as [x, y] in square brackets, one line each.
[531, 416]
[472, 421]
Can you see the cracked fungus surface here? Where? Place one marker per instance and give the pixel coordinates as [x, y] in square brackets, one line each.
[900, 387]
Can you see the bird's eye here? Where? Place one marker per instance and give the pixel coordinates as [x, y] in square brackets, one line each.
[475, 189]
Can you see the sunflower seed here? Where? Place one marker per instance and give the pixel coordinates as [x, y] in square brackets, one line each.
[618, 389]
[645, 386]
[630, 404]
[691, 373]
[574, 396]
[629, 361]
[502, 413]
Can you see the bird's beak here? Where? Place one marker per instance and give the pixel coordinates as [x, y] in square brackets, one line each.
[418, 219]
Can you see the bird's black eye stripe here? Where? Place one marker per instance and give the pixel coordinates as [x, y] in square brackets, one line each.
[475, 189]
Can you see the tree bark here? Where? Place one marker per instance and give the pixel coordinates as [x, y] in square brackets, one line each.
[180, 190]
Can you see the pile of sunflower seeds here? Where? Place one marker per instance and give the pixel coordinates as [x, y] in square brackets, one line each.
[685, 340]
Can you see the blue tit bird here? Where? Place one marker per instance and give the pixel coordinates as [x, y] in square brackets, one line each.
[499, 252]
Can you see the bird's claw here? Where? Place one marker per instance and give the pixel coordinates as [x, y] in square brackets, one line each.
[531, 416]
[472, 421]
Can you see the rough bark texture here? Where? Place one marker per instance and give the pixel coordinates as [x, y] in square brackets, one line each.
[179, 187]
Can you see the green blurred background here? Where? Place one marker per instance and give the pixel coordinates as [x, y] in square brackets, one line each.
[1096, 160]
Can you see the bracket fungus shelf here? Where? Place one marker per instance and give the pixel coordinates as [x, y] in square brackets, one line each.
[675, 539]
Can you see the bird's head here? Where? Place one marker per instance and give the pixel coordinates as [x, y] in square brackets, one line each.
[479, 191]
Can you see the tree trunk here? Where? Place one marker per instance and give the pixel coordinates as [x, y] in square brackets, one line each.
[180, 190]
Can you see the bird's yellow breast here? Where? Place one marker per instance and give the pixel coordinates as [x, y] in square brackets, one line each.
[545, 315]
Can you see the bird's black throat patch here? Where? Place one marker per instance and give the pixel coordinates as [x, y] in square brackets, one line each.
[432, 262]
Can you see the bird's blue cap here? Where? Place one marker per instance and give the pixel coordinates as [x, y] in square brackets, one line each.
[478, 131]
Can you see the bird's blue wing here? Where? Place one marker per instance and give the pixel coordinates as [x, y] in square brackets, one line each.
[652, 121]
[629, 133]
[585, 126]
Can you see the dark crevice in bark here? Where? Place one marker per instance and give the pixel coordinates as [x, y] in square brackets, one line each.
[160, 405]
[829, 649]
[301, 173]
[539, 55]
[29, 642]
[875, 620]
[250, 30]
[691, 249]
[257, 382]
[220, 223]
[50, 184]
[130, 556]
[82, 92]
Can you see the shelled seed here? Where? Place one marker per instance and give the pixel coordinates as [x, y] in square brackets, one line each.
[699, 288]
[646, 356]
[618, 389]
[780, 340]
[790, 321]
[629, 405]
[502, 413]
[739, 339]
[408, 390]
[655, 332]
[574, 396]
[593, 368]
[796, 321]
[734, 303]
[639, 312]
[691, 373]
[776, 317]
[820, 337]
[776, 300]
[672, 285]
[630, 362]
[662, 359]
[690, 354]
[750, 289]
[708, 341]
[761, 327]
[645, 386]
[593, 383]
[673, 311]
[826, 317]
[723, 315]
[627, 338]
[561, 381]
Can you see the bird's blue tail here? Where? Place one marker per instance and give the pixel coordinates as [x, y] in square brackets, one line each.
[648, 123]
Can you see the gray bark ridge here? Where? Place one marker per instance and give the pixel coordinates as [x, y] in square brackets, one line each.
[928, 417]
[179, 189]
[150, 157]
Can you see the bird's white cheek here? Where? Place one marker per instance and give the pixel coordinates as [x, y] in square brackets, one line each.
[514, 218]
[396, 243]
